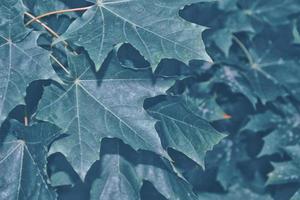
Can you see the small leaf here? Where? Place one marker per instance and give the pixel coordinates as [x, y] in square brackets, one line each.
[262, 122]
[183, 131]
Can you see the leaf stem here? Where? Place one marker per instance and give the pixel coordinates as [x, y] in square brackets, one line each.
[59, 63]
[244, 49]
[57, 12]
[46, 27]
[55, 35]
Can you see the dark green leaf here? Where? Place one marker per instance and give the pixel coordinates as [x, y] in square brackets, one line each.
[91, 107]
[109, 23]
[180, 129]
[23, 161]
[19, 57]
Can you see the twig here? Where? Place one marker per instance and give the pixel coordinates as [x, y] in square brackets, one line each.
[57, 12]
[244, 49]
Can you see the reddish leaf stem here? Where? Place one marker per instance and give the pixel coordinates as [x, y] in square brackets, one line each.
[57, 12]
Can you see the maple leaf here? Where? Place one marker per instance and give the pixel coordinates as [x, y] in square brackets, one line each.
[19, 57]
[153, 27]
[23, 159]
[93, 106]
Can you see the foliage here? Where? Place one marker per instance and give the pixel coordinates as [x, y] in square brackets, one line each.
[182, 99]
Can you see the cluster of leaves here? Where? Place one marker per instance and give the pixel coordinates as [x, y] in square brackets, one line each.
[123, 99]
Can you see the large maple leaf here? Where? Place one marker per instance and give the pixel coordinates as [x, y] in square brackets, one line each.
[153, 27]
[94, 106]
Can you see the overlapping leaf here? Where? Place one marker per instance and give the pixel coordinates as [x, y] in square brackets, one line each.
[118, 178]
[235, 193]
[184, 131]
[269, 74]
[287, 172]
[153, 27]
[123, 178]
[272, 12]
[19, 57]
[23, 156]
[283, 129]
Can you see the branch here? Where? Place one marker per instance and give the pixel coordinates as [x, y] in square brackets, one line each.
[57, 12]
